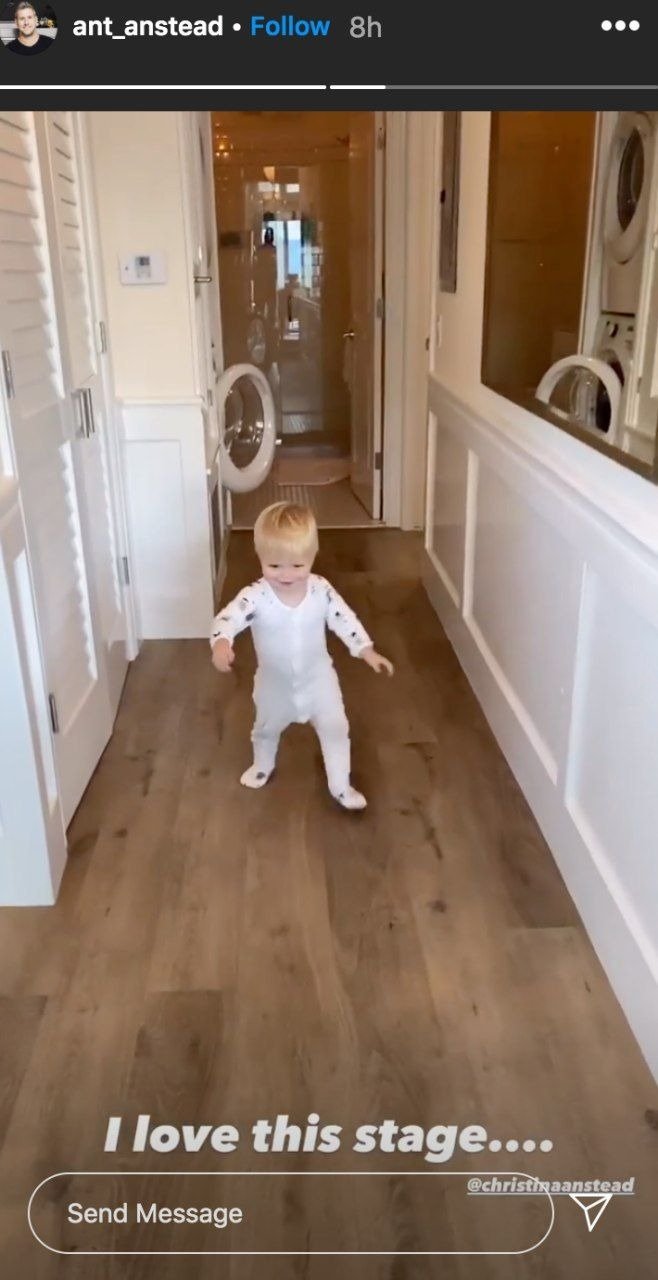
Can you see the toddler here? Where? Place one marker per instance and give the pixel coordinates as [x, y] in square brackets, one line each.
[288, 610]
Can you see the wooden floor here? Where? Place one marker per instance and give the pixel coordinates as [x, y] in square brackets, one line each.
[219, 956]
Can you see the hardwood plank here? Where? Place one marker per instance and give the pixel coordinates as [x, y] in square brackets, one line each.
[175, 1049]
[20, 1020]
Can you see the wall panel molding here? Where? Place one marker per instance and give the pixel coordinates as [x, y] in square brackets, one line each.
[586, 765]
[165, 468]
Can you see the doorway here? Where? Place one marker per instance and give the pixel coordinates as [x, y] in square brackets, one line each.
[299, 203]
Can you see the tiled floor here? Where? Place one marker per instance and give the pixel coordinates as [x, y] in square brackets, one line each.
[299, 424]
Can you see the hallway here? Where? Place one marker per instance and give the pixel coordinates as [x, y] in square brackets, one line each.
[217, 956]
[333, 505]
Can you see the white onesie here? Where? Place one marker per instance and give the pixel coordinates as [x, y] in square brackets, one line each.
[296, 680]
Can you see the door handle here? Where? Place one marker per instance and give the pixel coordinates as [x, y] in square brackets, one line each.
[350, 334]
[85, 413]
[80, 414]
[85, 405]
[203, 279]
[88, 404]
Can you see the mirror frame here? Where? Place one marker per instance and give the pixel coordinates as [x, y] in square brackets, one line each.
[449, 201]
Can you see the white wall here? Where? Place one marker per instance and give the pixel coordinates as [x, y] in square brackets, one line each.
[542, 562]
[144, 181]
[137, 172]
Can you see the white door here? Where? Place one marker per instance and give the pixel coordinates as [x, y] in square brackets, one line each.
[71, 224]
[196, 139]
[364, 338]
[41, 421]
[197, 146]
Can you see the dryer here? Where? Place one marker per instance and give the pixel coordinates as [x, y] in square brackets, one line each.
[625, 206]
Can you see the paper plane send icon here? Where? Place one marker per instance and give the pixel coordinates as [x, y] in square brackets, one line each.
[592, 1207]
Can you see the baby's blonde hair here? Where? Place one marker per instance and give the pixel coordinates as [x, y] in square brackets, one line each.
[288, 528]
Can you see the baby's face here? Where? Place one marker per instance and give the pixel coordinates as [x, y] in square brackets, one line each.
[286, 571]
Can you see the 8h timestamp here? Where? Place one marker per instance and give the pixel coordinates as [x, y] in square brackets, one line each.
[367, 27]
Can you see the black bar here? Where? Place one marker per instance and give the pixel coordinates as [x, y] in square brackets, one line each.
[465, 55]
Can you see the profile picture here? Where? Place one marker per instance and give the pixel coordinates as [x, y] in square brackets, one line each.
[27, 28]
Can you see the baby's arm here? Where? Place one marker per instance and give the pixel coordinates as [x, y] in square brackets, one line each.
[344, 622]
[229, 622]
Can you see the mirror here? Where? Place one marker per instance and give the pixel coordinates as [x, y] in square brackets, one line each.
[571, 288]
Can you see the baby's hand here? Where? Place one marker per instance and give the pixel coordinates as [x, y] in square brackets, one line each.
[222, 655]
[377, 661]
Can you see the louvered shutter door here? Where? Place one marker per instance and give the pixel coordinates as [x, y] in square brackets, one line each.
[68, 217]
[40, 420]
[61, 146]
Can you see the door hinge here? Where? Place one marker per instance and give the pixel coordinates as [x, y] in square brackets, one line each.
[54, 718]
[102, 338]
[381, 138]
[379, 309]
[378, 460]
[125, 570]
[8, 375]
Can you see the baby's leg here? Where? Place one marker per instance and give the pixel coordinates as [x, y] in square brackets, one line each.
[332, 728]
[265, 737]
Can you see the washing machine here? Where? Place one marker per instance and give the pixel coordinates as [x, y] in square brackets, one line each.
[627, 183]
[592, 391]
[614, 344]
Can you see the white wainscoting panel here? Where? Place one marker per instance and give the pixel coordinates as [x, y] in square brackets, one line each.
[448, 528]
[557, 631]
[168, 512]
[612, 783]
[524, 609]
